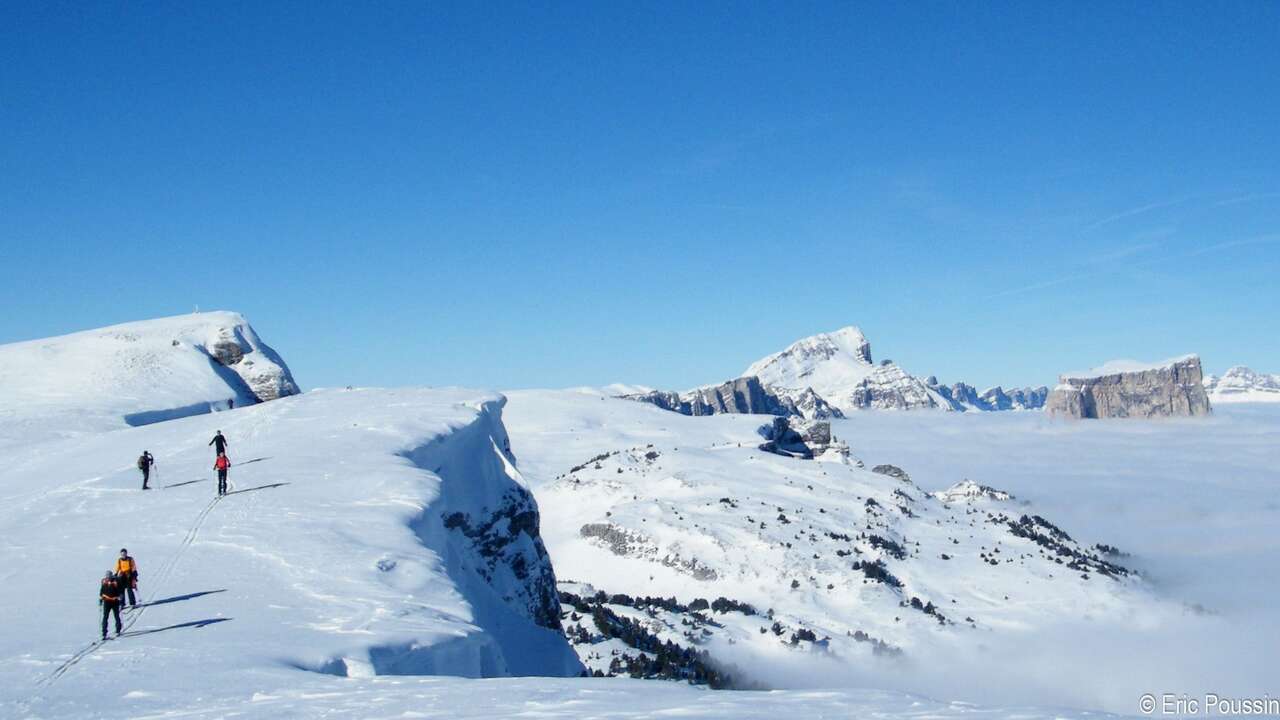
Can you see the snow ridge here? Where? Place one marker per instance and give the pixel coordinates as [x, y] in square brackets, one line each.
[135, 374]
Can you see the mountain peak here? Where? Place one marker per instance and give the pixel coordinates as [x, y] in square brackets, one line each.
[838, 367]
[846, 348]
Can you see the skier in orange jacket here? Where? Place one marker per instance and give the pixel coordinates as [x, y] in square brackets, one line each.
[127, 576]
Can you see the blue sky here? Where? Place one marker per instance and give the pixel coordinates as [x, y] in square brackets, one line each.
[551, 194]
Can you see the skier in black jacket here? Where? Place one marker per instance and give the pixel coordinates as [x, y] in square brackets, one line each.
[145, 461]
[219, 443]
[109, 599]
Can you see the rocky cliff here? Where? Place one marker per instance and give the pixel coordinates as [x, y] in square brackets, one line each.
[1125, 388]
[742, 395]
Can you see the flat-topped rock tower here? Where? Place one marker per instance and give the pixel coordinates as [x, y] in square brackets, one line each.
[1124, 388]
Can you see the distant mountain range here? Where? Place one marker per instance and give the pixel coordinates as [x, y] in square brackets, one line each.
[833, 374]
[1240, 384]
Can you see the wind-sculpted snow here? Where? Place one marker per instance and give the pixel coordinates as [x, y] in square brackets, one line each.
[847, 567]
[135, 374]
[367, 532]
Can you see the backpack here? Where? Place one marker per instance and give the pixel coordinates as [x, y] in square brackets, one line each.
[142, 463]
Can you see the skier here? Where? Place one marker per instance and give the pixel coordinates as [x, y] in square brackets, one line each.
[221, 465]
[145, 461]
[109, 599]
[219, 443]
[127, 576]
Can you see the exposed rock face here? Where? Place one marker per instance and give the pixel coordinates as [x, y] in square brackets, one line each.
[892, 471]
[507, 541]
[800, 438]
[239, 349]
[625, 543]
[809, 404]
[1240, 384]
[889, 387]
[1126, 389]
[745, 395]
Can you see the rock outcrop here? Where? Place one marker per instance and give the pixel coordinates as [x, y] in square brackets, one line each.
[1123, 389]
[745, 395]
[238, 348]
[802, 438]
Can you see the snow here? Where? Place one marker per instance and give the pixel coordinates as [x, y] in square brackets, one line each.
[1178, 497]
[1116, 367]
[129, 374]
[335, 581]
[829, 363]
[289, 694]
[329, 556]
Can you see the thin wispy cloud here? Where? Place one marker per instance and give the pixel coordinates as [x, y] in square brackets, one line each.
[1133, 212]
[1094, 266]
[1250, 197]
[1100, 268]
[1124, 252]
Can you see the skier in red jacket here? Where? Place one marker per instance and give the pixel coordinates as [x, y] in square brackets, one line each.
[221, 465]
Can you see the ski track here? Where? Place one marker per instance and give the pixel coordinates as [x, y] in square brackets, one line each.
[245, 433]
[165, 571]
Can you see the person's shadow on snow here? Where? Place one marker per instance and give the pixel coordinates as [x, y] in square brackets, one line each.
[192, 624]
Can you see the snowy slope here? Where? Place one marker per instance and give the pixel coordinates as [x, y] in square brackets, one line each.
[134, 374]
[1241, 384]
[830, 363]
[888, 578]
[370, 532]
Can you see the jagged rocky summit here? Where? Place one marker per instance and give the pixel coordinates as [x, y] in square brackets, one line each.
[829, 375]
[963, 396]
[1125, 388]
[742, 395]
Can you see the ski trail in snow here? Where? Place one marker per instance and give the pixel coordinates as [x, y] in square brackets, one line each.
[165, 571]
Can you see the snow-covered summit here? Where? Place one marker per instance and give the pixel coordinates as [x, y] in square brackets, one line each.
[838, 367]
[824, 362]
[134, 374]
[1242, 384]
[969, 491]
